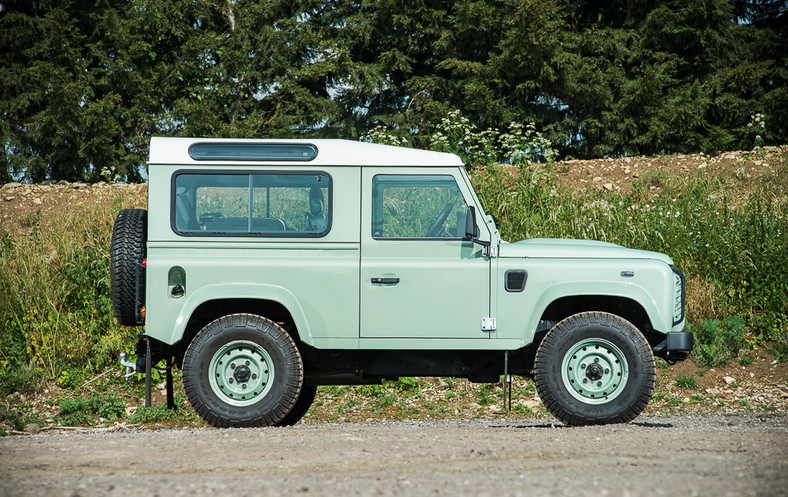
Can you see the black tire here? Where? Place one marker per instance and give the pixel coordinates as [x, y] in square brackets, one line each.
[127, 249]
[213, 374]
[579, 365]
[301, 407]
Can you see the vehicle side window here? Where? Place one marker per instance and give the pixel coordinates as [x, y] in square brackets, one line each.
[411, 206]
[241, 204]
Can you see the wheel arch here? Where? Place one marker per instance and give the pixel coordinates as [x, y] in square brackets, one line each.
[210, 303]
[624, 307]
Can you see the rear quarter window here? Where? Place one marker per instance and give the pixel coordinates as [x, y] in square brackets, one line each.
[251, 204]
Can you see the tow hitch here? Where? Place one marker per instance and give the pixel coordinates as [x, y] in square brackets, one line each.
[144, 364]
[131, 367]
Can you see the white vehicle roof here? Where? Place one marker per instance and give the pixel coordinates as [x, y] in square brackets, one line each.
[325, 153]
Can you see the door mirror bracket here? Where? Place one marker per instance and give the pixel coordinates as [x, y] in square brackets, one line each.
[471, 230]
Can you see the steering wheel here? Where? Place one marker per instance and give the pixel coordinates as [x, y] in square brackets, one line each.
[436, 227]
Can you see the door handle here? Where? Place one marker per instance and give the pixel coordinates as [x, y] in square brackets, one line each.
[385, 281]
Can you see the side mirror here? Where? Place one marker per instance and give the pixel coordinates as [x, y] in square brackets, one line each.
[471, 229]
[470, 223]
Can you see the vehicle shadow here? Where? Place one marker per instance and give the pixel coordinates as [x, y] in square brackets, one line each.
[555, 426]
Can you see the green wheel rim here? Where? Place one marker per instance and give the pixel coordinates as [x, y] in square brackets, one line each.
[594, 371]
[241, 373]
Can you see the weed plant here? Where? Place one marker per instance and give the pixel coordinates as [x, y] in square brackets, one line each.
[81, 411]
[686, 382]
[716, 342]
[56, 319]
[159, 413]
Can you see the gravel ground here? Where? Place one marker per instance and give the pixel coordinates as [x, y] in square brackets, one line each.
[717, 455]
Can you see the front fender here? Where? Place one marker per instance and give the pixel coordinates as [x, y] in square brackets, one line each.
[627, 291]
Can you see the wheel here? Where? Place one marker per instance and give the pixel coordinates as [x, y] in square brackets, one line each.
[242, 370]
[594, 368]
[436, 227]
[302, 405]
[127, 278]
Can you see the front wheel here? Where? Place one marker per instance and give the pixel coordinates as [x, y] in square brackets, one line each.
[595, 368]
[242, 370]
[301, 406]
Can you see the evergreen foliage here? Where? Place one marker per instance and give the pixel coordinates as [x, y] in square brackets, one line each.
[84, 85]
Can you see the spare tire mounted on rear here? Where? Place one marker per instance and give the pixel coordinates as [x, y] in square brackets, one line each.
[127, 275]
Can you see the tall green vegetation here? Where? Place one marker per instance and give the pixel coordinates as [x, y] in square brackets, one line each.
[82, 88]
[56, 317]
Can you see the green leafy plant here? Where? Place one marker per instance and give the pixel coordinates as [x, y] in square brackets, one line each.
[745, 360]
[406, 383]
[686, 381]
[12, 418]
[154, 414]
[76, 412]
[716, 342]
[70, 378]
[82, 411]
[109, 406]
[387, 400]
[485, 395]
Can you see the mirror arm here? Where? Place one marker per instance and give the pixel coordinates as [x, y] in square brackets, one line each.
[470, 233]
[483, 243]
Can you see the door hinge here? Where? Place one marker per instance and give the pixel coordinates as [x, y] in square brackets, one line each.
[490, 251]
[488, 324]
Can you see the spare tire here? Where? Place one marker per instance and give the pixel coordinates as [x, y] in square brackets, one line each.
[127, 276]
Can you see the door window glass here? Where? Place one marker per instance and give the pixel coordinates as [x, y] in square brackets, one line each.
[411, 206]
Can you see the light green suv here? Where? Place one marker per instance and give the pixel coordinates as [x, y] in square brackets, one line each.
[264, 268]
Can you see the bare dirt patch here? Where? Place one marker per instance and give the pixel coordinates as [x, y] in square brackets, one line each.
[24, 205]
[740, 171]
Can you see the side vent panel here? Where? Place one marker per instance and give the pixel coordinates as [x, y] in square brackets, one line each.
[514, 280]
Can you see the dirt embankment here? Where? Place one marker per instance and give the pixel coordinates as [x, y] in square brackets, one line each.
[739, 171]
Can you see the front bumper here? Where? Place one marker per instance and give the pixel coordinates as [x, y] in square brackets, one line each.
[676, 346]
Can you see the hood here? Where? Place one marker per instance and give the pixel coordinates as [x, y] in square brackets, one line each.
[561, 248]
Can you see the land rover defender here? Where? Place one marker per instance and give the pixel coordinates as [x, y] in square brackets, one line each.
[264, 268]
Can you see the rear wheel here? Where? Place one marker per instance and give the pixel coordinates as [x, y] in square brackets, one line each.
[242, 370]
[595, 368]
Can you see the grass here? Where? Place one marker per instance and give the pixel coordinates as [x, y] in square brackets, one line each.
[686, 382]
[56, 319]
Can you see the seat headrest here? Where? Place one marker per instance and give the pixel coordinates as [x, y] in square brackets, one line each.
[316, 201]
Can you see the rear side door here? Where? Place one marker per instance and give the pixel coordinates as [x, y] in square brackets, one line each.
[419, 278]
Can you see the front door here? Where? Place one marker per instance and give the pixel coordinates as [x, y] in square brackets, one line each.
[419, 278]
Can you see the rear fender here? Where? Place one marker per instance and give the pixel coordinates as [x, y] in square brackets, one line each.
[245, 291]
